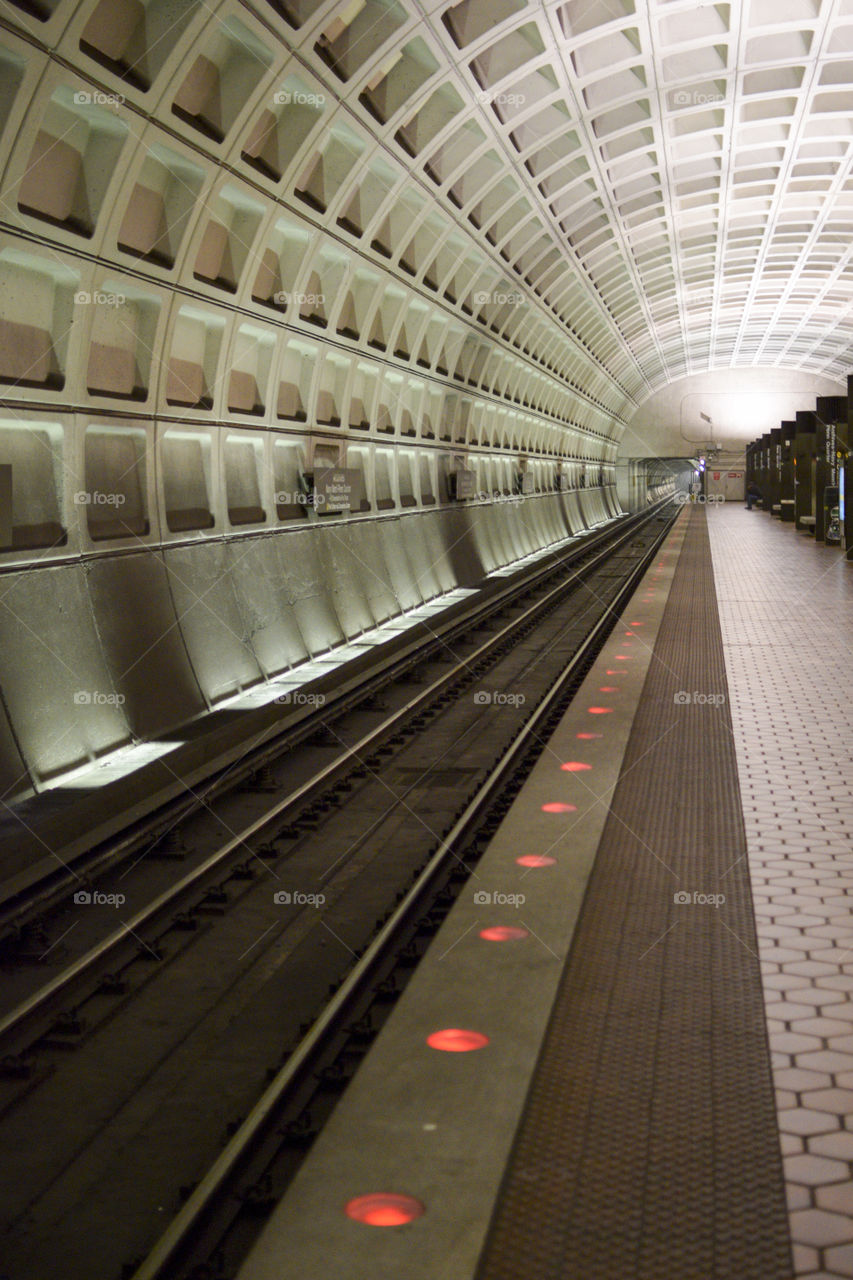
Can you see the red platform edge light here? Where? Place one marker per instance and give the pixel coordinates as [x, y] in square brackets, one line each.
[457, 1040]
[535, 860]
[599, 711]
[635, 624]
[557, 806]
[504, 933]
[575, 766]
[587, 737]
[384, 1209]
[608, 688]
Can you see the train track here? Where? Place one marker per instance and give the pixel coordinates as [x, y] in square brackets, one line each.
[276, 948]
[155, 833]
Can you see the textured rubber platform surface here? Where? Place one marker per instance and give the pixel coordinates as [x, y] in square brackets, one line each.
[648, 1149]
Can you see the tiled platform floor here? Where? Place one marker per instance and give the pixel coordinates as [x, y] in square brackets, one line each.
[786, 611]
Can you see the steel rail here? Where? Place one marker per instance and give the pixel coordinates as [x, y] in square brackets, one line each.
[35, 1003]
[175, 1235]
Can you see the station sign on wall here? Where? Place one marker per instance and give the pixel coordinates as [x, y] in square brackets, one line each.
[464, 482]
[338, 489]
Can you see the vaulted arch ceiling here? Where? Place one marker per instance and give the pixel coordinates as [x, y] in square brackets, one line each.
[567, 205]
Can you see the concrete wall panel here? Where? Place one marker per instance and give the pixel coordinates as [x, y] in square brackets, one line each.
[142, 643]
[400, 572]
[148, 640]
[313, 603]
[215, 632]
[420, 539]
[367, 541]
[572, 507]
[484, 536]
[58, 689]
[266, 604]
[437, 553]
[345, 574]
[586, 508]
[519, 524]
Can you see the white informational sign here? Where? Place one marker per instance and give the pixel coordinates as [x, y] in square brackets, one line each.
[338, 489]
[5, 505]
[465, 482]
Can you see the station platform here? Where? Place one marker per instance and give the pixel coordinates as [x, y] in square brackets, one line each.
[629, 1050]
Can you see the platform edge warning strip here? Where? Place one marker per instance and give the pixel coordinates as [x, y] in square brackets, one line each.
[648, 1145]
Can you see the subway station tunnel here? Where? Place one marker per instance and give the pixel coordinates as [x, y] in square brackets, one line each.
[425, 794]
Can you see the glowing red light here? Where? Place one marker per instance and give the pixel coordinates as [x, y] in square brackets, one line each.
[455, 1040]
[504, 933]
[557, 806]
[629, 633]
[599, 711]
[384, 1209]
[575, 766]
[535, 860]
[635, 624]
[587, 737]
[623, 657]
[608, 688]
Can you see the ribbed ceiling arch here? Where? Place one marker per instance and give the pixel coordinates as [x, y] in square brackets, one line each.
[567, 205]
